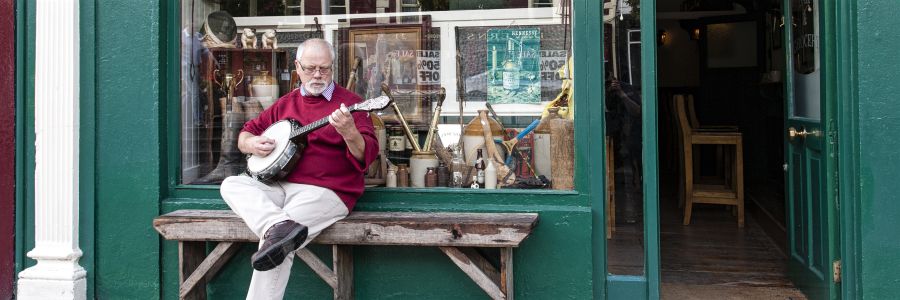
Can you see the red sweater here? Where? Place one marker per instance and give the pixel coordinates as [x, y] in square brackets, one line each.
[326, 161]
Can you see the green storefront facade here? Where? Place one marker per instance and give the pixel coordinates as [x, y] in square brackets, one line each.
[128, 169]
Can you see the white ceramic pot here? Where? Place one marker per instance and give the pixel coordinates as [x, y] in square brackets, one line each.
[418, 165]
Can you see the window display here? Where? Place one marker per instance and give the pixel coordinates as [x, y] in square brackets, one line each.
[481, 95]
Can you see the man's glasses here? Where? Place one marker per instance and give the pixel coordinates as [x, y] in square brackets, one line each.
[310, 70]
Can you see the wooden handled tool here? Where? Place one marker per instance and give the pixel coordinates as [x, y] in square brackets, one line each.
[434, 119]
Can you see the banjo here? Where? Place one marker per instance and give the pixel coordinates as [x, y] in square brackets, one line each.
[290, 140]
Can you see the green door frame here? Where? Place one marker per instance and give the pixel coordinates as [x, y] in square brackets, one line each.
[650, 147]
[588, 16]
[24, 133]
[847, 90]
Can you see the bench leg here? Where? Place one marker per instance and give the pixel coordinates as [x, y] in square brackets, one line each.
[190, 255]
[343, 270]
[506, 272]
[196, 269]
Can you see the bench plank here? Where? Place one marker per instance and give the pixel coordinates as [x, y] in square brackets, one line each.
[366, 228]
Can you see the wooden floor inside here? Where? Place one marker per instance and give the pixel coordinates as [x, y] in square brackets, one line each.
[710, 259]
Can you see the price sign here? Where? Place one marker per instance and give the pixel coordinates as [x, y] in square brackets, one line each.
[428, 67]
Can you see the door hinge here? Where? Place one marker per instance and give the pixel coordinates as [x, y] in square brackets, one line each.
[836, 270]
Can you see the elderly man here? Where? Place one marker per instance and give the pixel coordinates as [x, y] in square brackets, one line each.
[324, 185]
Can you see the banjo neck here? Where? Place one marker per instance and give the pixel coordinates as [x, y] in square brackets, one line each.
[306, 129]
[368, 105]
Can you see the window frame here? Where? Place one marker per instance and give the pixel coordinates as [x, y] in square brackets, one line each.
[301, 7]
[586, 183]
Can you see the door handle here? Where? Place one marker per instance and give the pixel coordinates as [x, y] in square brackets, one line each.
[794, 134]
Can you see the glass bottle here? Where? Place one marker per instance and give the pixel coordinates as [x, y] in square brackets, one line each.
[510, 69]
[430, 177]
[396, 146]
[479, 168]
[458, 168]
[391, 180]
[490, 176]
[443, 175]
[402, 176]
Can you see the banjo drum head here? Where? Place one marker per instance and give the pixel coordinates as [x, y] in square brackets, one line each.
[280, 132]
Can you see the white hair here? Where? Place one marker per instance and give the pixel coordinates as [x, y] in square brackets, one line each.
[319, 41]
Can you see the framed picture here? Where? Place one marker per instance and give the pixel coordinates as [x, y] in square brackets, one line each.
[388, 55]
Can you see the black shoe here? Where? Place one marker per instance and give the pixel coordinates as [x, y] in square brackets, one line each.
[280, 241]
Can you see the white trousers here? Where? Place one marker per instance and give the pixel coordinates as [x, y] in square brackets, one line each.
[261, 206]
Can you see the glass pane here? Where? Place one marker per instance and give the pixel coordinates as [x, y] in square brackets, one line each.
[625, 227]
[338, 10]
[505, 120]
[805, 49]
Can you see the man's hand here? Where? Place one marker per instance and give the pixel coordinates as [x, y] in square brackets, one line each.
[342, 120]
[259, 145]
[614, 85]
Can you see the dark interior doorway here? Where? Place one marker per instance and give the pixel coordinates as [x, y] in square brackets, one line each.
[735, 81]
[729, 57]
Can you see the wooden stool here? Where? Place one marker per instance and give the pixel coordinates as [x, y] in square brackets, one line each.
[731, 191]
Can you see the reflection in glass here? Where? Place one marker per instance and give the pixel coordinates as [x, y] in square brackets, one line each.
[625, 232]
[503, 70]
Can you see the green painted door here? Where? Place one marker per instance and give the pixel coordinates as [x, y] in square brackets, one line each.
[811, 213]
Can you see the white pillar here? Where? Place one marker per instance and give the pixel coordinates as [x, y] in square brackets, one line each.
[57, 274]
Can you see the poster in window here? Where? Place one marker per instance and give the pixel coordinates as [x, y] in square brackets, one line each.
[513, 64]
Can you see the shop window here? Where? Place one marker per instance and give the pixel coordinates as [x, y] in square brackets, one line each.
[492, 88]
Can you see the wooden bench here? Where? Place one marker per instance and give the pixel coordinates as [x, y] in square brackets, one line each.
[454, 233]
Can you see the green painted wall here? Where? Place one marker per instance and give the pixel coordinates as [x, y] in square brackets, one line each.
[878, 214]
[127, 140]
